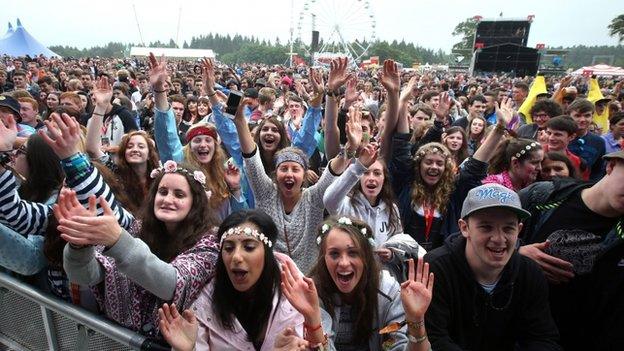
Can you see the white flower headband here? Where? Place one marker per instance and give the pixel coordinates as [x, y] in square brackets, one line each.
[172, 167]
[248, 232]
[526, 150]
[433, 150]
[344, 221]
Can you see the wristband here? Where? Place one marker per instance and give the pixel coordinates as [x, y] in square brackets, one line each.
[159, 91]
[213, 94]
[416, 340]
[98, 114]
[415, 325]
[312, 329]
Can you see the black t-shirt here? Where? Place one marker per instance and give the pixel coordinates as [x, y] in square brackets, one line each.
[574, 214]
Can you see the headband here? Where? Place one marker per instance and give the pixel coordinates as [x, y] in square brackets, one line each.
[201, 130]
[288, 155]
[433, 150]
[172, 167]
[526, 149]
[248, 232]
[345, 221]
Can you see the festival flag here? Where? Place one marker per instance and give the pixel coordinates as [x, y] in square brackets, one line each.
[594, 96]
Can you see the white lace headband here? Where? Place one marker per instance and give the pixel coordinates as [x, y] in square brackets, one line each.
[344, 221]
[248, 232]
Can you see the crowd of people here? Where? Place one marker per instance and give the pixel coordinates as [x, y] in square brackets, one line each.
[330, 207]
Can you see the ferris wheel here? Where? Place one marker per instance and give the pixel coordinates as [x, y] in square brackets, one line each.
[346, 28]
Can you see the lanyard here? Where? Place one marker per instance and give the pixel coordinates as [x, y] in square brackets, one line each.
[429, 212]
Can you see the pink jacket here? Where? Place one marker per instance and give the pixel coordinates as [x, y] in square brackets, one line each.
[212, 336]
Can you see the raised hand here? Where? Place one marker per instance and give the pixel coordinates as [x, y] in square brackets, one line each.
[338, 75]
[443, 107]
[158, 71]
[288, 340]
[565, 82]
[240, 111]
[232, 176]
[102, 92]
[368, 155]
[354, 127]
[416, 291]
[8, 133]
[63, 135]
[208, 76]
[351, 93]
[300, 292]
[180, 331]
[316, 79]
[91, 229]
[67, 206]
[389, 77]
[504, 112]
[318, 85]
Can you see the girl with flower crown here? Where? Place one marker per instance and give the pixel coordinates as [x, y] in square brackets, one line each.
[242, 308]
[357, 306]
[430, 192]
[203, 149]
[517, 164]
[166, 256]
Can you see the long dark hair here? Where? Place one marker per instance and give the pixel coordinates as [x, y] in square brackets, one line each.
[254, 313]
[364, 307]
[386, 195]
[269, 167]
[461, 154]
[198, 221]
[507, 149]
[46, 173]
[134, 188]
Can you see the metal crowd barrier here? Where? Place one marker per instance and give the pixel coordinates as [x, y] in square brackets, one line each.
[34, 321]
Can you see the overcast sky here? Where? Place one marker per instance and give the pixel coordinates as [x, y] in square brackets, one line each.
[428, 23]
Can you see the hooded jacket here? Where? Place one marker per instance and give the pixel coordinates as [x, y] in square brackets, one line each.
[338, 202]
[463, 316]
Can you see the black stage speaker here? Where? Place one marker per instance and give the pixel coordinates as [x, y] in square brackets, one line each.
[502, 32]
[315, 40]
[518, 60]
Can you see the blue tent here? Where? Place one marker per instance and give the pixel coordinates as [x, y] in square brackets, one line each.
[9, 31]
[19, 42]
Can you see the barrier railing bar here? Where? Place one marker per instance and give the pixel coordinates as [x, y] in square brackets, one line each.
[50, 330]
[12, 345]
[94, 322]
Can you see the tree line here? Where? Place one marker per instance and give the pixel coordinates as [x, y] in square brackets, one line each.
[242, 49]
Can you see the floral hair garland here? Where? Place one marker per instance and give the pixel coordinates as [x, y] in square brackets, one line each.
[248, 232]
[526, 150]
[345, 221]
[172, 167]
[433, 150]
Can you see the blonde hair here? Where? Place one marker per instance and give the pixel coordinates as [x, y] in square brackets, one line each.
[439, 195]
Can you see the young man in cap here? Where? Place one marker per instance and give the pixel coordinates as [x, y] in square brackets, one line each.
[576, 235]
[487, 296]
[11, 107]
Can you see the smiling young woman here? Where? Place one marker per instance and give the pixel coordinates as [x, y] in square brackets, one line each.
[243, 307]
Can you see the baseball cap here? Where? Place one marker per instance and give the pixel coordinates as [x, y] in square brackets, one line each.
[12, 104]
[251, 93]
[615, 154]
[493, 196]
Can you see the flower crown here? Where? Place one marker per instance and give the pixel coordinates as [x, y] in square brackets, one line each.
[344, 221]
[433, 150]
[526, 150]
[172, 167]
[248, 232]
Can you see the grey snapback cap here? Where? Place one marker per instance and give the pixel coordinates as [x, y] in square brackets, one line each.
[493, 196]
